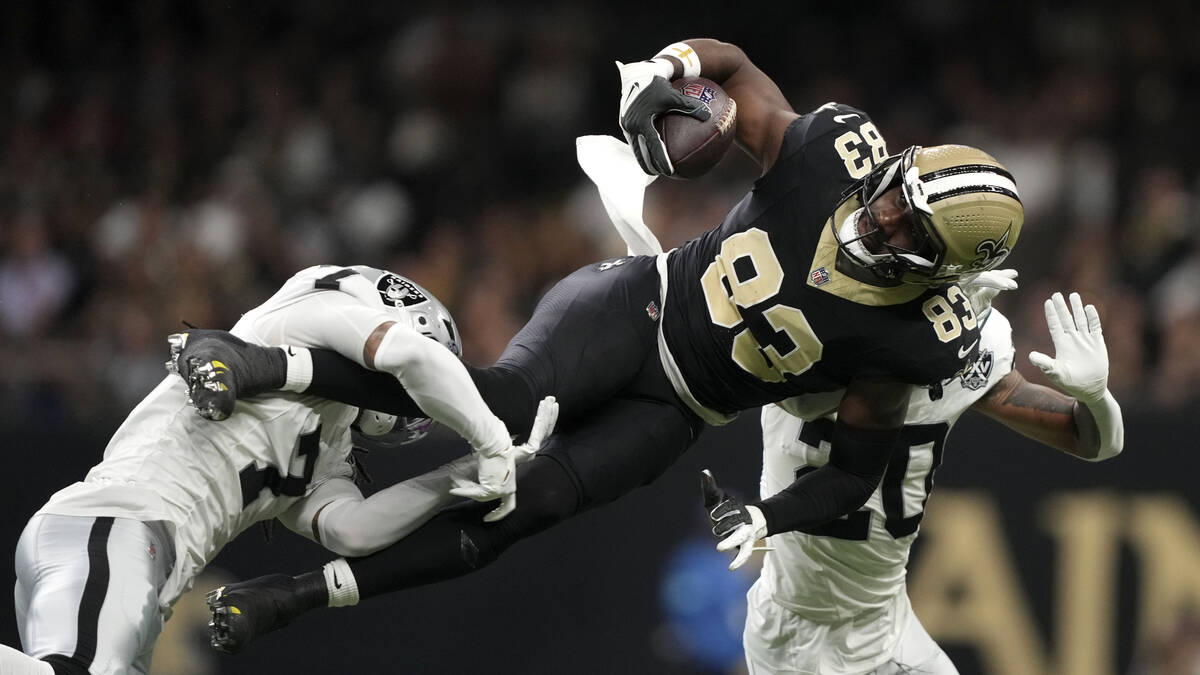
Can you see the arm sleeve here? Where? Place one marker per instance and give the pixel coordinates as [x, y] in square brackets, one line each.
[337, 378]
[439, 383]
[857, 461]
[429, 375]
[337, 516]
[1101, 428]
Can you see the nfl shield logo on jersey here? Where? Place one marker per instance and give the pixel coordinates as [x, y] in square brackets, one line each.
[397, 292]
[976, 376]
[819, 276]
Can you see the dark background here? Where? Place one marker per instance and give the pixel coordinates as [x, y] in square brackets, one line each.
[164, 162]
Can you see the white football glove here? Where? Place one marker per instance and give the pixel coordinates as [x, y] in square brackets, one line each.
[738, 525]
[985, 286]
[1080, 363]
[497, 474]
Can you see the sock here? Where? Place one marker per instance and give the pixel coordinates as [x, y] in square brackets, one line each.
[339, 580]
[299, 368]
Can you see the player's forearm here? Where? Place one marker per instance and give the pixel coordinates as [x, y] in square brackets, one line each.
[816, 498]
[337, 378]
[1101, 428]
[360, 527]
[440, 385]
[1092, 431]
[857, 460]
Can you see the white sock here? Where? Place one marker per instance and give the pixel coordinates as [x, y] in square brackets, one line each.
[339, 580]
[299, 368]
[13, 662]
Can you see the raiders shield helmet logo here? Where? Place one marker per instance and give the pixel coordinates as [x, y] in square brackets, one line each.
[398, 292]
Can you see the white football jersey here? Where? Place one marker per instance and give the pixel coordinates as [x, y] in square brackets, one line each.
[209, 481]
[856, 564]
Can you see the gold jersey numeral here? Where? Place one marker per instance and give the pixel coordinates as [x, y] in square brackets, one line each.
[947, 323]
[748, 264]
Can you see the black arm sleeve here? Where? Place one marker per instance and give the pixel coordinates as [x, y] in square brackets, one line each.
[857, 461]
[337, 378]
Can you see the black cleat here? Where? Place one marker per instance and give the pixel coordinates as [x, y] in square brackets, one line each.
[243, 611]
[219, 368]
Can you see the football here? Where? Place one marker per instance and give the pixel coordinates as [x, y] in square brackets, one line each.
[695, 147]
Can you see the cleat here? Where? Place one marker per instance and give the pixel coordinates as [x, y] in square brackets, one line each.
[219, 368]
[243, 611]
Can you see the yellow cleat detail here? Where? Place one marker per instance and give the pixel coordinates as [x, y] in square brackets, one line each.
[234, 610]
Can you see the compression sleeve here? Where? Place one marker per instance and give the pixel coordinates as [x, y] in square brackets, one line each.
[857, 461]
[337, 378]
[1101, 427]
[440, 385]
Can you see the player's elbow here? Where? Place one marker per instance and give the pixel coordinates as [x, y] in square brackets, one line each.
[350, 543]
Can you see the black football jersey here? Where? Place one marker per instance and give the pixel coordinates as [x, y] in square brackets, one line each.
[757, 309]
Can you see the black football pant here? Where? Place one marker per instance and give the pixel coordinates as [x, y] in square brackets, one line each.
[592, 343]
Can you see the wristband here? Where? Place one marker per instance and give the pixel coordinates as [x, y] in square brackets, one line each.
[687, 57]
[1111, 428]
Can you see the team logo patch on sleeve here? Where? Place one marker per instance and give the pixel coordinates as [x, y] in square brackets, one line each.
[819, 276]
[976, 376]
[397, 292]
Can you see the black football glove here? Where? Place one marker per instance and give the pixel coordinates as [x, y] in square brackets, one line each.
[736, 524]
[644, 96]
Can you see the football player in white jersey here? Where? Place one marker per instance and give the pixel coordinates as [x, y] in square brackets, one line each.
[100, 564]
[833, 600]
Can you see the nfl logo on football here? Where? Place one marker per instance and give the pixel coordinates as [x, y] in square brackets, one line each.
[697, 90]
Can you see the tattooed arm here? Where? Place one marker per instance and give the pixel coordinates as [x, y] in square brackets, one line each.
[1043, 414]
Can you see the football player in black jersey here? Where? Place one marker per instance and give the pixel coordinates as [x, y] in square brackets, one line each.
[836, 271]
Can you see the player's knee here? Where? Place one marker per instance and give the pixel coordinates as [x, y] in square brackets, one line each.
[66, 665]
[508, 394]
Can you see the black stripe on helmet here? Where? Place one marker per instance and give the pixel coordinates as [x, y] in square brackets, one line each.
[966, 168]
[973, 188]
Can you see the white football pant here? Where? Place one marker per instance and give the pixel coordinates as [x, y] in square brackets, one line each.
[88, 588]
[780, 642]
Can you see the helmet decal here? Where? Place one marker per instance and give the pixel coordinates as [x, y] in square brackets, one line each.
[991, 252]
[396, 291]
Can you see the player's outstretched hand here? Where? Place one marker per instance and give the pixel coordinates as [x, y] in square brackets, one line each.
[497, 474]
[736, 524]
[645, 95]
[1080, 363]
[985, 286]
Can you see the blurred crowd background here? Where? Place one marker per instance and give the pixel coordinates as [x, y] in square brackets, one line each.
[164, 162]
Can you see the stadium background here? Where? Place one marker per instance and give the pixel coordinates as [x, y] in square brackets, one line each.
[164, 162]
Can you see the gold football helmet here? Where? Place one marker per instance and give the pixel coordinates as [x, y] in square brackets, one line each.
[966, 211]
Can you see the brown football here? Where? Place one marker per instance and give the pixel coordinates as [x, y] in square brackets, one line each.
[695, 147]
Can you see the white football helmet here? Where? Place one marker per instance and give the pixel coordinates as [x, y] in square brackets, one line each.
[428, 316]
